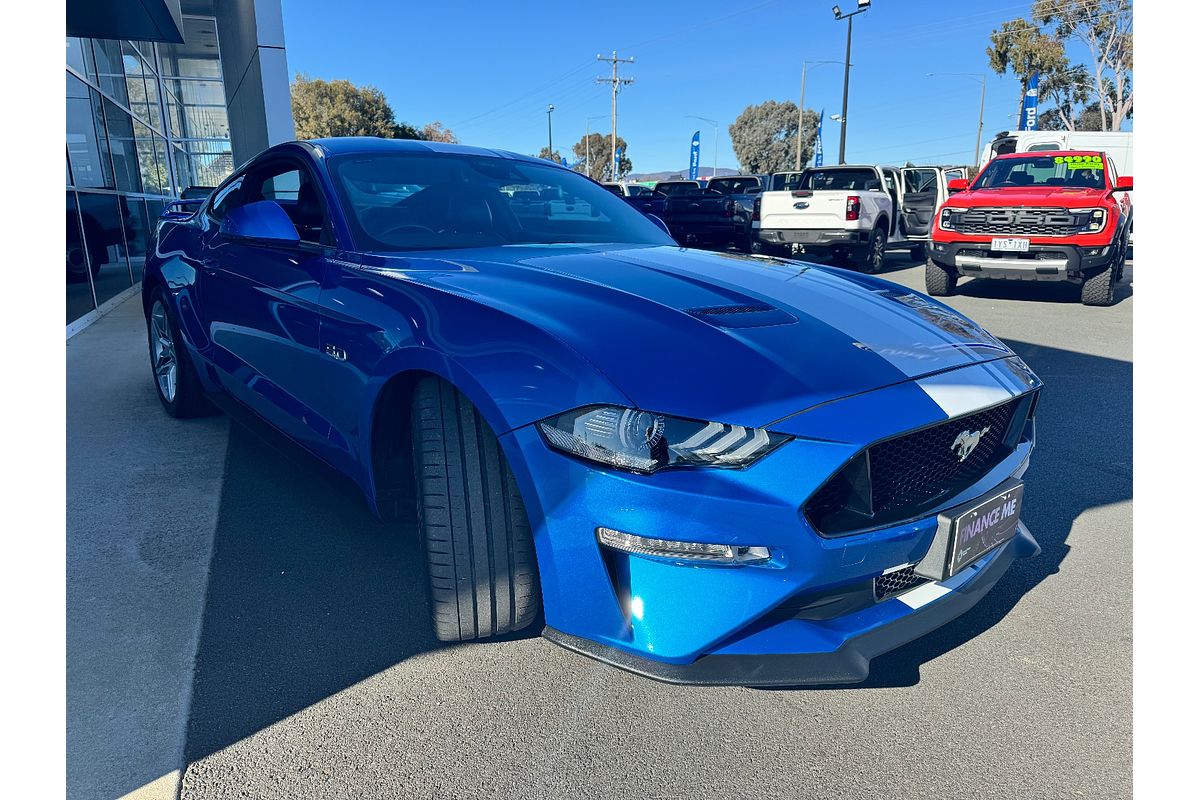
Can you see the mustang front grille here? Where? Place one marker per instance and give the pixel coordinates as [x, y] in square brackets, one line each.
[907, 476]
[1019, 221]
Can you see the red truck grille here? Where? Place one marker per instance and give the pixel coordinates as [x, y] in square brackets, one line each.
[1019, 221]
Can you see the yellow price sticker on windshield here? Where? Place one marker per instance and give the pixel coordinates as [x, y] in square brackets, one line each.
[1080, 162]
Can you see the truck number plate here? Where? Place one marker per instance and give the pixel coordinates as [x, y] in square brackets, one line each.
[1011, 245]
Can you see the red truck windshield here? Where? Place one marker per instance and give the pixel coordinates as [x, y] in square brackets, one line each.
[1075, 171]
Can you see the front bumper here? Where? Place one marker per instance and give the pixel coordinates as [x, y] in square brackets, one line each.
[661, 618]
[1043, 262]
[933, 605]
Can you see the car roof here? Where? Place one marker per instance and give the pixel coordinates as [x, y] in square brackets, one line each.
[351, 145]
[1043, 153]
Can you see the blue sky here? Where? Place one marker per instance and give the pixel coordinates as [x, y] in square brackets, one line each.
[488, 70]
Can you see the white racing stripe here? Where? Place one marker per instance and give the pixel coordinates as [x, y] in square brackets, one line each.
[924, 594]
[958, 394]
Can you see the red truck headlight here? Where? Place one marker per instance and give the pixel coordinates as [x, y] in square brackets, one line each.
[853, 207]
[1096, 220]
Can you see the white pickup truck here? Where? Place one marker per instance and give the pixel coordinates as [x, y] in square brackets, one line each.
[852, 213]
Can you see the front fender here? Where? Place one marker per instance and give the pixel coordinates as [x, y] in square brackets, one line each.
[514, 372]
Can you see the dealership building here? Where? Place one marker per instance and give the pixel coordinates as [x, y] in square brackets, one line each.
[162, 96]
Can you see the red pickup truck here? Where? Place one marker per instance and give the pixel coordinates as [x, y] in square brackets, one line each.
[1062, 215]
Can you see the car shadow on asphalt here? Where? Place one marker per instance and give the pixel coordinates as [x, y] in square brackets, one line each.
[1083, 460]
[1040, 291]
[308, 594]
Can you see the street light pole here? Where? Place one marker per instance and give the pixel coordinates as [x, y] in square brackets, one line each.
[800, 127]
[975, 76]
[863, 5]
[550, 129]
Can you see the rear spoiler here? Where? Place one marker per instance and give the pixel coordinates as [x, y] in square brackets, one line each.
[181, 209]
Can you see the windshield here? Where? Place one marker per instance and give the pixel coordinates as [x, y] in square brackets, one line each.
[1077, 171]
[838, 179]
[732, 185]
[424, 201]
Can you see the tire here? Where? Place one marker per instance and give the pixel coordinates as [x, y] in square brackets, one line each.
[175, 379]
[917, 252]
[478, 542]
[870, 260]
[939, 281]
[1098, 290]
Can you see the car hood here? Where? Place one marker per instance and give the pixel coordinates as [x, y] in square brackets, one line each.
[738, 339]
[1057, 196]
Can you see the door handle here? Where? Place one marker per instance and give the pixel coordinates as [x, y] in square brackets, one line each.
[335, 352]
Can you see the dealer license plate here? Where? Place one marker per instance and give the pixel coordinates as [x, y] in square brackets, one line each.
[1011, 245]
[968, 532]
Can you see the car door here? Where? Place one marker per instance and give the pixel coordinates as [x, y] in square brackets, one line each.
[262, 301]
[919, 200]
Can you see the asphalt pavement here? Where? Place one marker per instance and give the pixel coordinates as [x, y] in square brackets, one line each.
[316, 675]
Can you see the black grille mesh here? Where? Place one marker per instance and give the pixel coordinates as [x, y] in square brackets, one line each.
[895, 583]
[1020, 221]
[910, 474]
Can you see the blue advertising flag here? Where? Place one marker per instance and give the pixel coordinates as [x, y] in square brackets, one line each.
[694, 161]
[818, 150]
[1029, 113]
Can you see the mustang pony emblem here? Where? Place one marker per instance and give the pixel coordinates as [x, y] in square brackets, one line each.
[966, 442]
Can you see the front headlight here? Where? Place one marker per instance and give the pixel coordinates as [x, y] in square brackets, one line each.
[645, 442]
[945, 219]
[1096, 220]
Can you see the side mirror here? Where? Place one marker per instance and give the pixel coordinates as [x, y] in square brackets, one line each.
[657, 220]
[265, 219]
[1124, 184]
[958, 185]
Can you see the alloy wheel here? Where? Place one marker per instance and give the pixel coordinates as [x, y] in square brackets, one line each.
[162, 351]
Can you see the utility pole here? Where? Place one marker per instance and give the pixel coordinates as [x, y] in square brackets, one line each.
[616, 83]
[550, 130]
[982, 78]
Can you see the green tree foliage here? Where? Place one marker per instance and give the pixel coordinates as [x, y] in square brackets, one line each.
[545, 153]
[1079, 96]
[437, 132]
[600, 146]
[764, 136]
[1105, 27]
[339, 108]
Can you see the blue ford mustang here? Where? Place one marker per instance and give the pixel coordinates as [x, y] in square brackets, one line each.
[703, 467]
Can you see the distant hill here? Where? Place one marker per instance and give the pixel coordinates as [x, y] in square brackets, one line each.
[677, 175]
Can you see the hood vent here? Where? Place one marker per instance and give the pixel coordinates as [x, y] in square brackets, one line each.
[742, 316]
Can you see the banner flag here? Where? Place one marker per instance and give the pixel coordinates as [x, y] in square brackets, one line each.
[694, 162]
[818, 150]
[1029, 113]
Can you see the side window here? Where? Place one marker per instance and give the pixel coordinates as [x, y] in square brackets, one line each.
[889, 180]
[226, 198]
[293, 188]
[919, 180]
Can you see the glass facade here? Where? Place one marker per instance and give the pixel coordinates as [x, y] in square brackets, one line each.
[144, 122]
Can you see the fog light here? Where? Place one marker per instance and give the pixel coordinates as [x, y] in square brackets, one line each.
[681, 551]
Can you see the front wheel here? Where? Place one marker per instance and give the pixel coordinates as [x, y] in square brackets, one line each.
[478, 542]
[939, 281]
[175, 377]
[871, 261]
[1099, 290]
